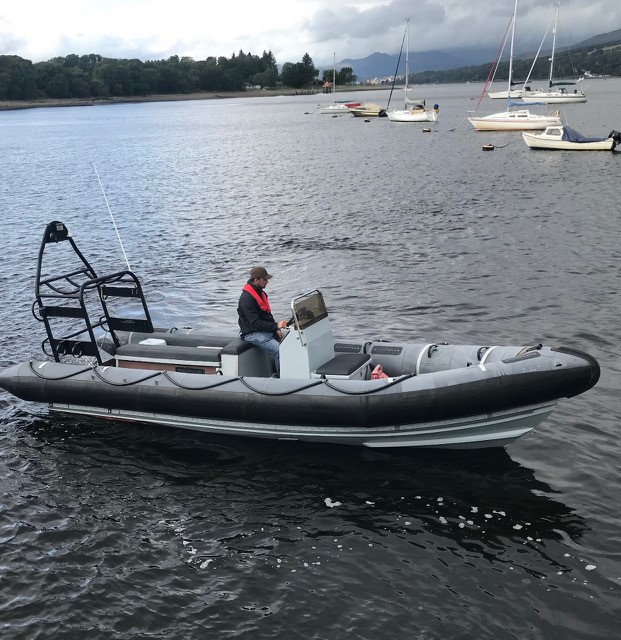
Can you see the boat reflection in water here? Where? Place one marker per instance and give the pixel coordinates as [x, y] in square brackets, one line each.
[483, 501]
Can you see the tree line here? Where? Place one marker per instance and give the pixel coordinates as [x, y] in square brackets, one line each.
[600, 60]
[94, 76]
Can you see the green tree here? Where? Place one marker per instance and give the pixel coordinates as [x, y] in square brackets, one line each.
[88, 62]
[58, 86]
[18, 79]
[299, 74]
[51, 79]
[151, 77]
[210, 76]
[114, 75]
[269, 61]
[345, 76]
[312, 72]
[71, 61]
[79, 83]
[265, 79]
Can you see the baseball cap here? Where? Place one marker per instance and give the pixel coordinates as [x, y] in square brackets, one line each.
[259, 272]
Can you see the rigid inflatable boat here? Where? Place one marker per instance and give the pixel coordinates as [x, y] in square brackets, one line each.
[375, 393]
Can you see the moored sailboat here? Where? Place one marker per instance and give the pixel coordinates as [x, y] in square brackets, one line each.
[414, 110]
[505, 94]
[337, 108]
[508, 120]
[560, 95]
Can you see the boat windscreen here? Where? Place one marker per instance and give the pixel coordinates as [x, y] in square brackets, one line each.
[310, 309]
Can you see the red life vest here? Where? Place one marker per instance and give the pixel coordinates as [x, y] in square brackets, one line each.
[261, 300]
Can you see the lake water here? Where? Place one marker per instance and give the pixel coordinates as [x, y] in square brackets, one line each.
[121, 531]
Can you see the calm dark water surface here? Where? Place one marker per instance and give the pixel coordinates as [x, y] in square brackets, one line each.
[116, 531]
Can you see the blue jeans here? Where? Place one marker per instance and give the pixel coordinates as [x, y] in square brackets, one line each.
[268, 343]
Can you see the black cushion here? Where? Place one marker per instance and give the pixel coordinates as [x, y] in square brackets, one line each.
[343, 364]
[167, 352]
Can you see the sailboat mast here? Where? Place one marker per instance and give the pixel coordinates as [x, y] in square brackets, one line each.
[334, 79]
[511, 50]
[553, 47]
[407, 61]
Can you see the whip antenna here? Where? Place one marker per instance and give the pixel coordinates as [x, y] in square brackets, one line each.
[112, 217]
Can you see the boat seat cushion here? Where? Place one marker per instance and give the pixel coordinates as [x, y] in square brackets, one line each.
[237, 346]
[168, 353]
[343, 364]
[179, 339]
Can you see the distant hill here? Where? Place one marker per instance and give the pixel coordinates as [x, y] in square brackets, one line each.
[381, 65]
[602, 38]
[596, 41]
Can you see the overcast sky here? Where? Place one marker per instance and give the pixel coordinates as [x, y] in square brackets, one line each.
[156, 29]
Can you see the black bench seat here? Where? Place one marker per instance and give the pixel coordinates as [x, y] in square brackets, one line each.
[168, 353]
[343, 364]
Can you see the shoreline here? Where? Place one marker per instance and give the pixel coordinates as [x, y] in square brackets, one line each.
[11, 105]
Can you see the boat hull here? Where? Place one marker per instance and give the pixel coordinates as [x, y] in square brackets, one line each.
[540, 141]
[368, 110]
[437, 405]
[474, 432]
[338, 109]
[366, 113]
[513, 121]
[413, 115]
[504, 95]
[554, 98]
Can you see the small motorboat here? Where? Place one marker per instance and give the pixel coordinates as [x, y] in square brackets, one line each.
[107, 360]
[564, 138]
[369, 110]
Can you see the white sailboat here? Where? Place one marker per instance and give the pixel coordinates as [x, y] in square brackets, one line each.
[550, 95]
[416, 111]
[505, 94]
[337, 108]
[509, 120]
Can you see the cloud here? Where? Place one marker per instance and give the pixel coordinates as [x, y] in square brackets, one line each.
[10, 43]
[156, 29]
[357, 28]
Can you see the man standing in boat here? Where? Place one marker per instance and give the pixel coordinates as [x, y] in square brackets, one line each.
[256, 321]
